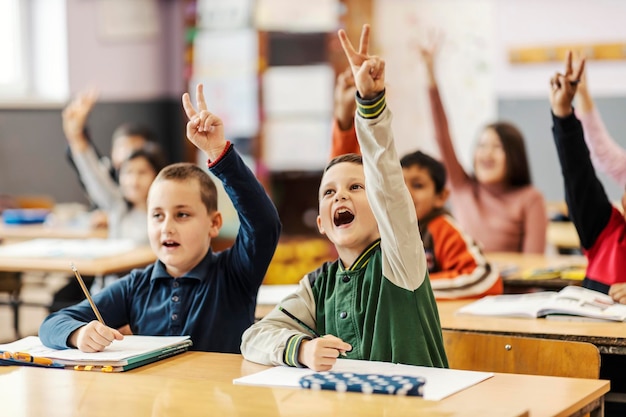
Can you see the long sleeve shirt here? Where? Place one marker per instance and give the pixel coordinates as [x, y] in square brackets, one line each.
[606, 154]
[600, 226]
[124, 222]
[501, 219]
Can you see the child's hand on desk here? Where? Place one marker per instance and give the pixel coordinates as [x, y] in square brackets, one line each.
[94, 337]
[618, 292]
[320, 354]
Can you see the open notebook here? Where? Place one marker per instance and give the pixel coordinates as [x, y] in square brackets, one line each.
[121, 355]
[571, 301]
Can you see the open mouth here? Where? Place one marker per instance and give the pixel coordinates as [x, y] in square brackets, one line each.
[343, 216]
[170, 244]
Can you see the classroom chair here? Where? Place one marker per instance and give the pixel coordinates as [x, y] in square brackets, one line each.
[521, 355]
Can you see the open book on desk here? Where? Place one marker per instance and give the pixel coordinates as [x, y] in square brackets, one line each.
[440, 382]
[121, 355]
[571, 301]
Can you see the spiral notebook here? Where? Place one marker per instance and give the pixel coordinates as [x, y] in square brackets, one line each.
[121, 355]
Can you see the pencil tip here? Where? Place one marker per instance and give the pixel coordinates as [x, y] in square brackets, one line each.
[73, 267]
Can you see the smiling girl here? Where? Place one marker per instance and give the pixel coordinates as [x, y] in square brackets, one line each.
[497, 204]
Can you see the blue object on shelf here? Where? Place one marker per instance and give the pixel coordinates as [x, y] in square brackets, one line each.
[24, 216]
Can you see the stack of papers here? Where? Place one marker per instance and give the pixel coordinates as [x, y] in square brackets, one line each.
[121, 355]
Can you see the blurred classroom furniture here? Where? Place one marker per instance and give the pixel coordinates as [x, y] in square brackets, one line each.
[562, 235]
[199, 383]
[526, 272]
[16, 233]
[11, 268]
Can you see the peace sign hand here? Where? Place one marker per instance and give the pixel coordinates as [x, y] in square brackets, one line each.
[563, 86]
[368, 70]
[205, 130]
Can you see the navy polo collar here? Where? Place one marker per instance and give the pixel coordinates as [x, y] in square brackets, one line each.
[199, 272]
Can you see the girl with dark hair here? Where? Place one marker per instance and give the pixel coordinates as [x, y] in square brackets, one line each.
[497, 204]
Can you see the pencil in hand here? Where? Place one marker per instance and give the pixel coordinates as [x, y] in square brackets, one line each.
[86, 291]
[304, 325]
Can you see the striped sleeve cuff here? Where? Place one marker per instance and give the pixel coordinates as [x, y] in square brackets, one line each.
[290, 357]
[370, 109]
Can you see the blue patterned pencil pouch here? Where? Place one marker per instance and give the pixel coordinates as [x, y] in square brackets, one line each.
[366, 383]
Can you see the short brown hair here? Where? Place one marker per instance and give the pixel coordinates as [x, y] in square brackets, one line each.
[348, 157]
[184, 171]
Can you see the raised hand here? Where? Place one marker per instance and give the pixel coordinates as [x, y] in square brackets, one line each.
[75, 117]
[205, 130]
[368, 70]
[345, 104]
[428, 50]
[563, 86]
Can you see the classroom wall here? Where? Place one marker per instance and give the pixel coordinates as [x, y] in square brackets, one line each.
[139, 78]
[478, 84]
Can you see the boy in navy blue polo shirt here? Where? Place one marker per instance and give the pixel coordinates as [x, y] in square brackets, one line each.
[189, 290]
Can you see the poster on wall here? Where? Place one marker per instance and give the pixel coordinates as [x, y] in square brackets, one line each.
[226, 62]
[123, 20]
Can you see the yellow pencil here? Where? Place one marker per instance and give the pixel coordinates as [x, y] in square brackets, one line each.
[86, 291]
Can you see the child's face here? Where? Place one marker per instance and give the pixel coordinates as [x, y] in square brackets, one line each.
[179, 227]
[345, 215]
[422, 189]
[489, 158]
[123, 146]
[135, 177]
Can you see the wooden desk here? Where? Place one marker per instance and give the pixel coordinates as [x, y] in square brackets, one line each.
[608, 337]
[563, 235]
[136, 258]
[199, 384]
[16, 233]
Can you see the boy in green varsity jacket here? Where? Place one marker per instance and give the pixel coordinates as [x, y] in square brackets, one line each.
[375, 302]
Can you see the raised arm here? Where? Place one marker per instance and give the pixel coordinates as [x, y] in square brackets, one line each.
[404, 261]
[75, 119]
[587, 202]
[260, 227]
[343, 134]
[607, 155]
[456, 174]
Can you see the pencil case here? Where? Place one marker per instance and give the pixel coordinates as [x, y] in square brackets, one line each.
[366, 383]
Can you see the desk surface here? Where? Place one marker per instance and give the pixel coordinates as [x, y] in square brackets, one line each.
[198, 384]
[609, 337]
[563, 235]
[136, 258]
[514, 281]
[16, 233]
